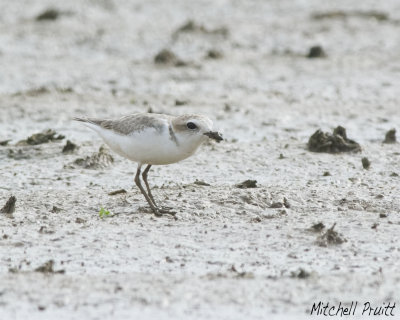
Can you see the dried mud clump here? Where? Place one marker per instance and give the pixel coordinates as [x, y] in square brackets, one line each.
[214, 54]
[316, 52]
[55, 209]
[300, 274]
[49, 14]
[317, 227]
[390, 136]
[42, 137]
[35, 92]
[280, 204]
[192, 27]
[168, 58]
[80, 220]
[332, 143]
[18, 154]
[69, 147]
[330, 237]
[201, 183]
[365, 163]
[180, 102]
[276, 205]
[48, 267]
[165, 56]
[241, 274]
[4, 142]
[98, 160]
[9, 207]
[120, 191]
[247, 184]
[339, 14]
[286, 203]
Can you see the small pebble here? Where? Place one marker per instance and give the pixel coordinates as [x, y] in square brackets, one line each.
[316, 52]
[365, 163]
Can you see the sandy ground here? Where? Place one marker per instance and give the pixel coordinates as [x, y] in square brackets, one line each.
[228, 255]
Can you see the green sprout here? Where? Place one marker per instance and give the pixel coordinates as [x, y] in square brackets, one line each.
[104, 213]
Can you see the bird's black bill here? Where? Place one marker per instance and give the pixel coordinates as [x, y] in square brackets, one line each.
[214, 135]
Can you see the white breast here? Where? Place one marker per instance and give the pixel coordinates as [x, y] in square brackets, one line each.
[150, 146]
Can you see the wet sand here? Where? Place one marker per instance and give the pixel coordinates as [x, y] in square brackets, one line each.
[232, 253]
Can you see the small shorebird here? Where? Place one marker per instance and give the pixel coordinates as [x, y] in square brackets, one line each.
[153, 139]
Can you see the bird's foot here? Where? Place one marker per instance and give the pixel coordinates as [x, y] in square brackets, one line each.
[160, 211]
[165, 208]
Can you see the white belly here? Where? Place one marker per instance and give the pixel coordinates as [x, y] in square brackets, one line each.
[147, 146]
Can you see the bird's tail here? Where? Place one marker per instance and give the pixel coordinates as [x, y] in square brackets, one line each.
[88, 120]
[81, 119]
[90, 123]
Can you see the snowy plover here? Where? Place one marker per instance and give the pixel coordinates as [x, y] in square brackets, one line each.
[153, 139]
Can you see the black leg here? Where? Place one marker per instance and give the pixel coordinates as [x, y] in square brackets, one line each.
[137, 181]
[144, 176]
[157, 211]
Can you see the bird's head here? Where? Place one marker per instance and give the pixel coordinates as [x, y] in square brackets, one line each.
[195, 129]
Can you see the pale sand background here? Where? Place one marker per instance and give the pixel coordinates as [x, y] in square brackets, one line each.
[97, 60]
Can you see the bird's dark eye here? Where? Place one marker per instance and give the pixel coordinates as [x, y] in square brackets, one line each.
[191, 125]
